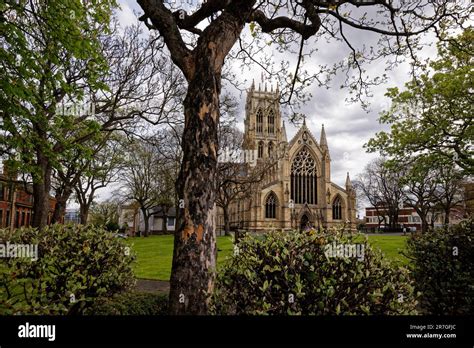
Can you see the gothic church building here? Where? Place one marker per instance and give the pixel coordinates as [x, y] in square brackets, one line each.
[297, 192]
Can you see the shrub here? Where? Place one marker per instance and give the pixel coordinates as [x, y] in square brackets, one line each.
[76, 264]
[112, 226]
[289, 273]
[130, 303]
[443, 268]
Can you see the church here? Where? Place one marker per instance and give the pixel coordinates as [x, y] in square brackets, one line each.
[296, 192]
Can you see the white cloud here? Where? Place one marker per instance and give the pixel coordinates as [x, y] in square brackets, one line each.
[125, 14]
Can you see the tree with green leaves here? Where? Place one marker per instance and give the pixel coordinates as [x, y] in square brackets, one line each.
[50, 56]
[201, 41]
[69, 74]
[102, 170]
[433, 114]
[103, 214]
[68, 173]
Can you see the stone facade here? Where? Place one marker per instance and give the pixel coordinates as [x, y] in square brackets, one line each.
[297, 191]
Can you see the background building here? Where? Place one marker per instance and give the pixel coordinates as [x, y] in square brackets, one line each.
[161, 221]
[408, 218]
[16, 203]
[72, 216]
[297, 191]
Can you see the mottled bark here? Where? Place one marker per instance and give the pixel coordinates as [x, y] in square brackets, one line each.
[194, 254]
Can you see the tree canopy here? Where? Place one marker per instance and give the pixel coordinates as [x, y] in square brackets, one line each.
[433, 115]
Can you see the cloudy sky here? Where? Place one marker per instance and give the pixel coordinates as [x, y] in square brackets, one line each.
[348, 126]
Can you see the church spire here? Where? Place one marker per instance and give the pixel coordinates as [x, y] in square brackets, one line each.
[323, 142]
[348, 182]
[283, 133]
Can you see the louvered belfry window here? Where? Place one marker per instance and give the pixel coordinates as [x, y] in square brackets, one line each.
[259, 121]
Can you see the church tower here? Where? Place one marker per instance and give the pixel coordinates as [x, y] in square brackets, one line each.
[296, 191]
[263, 129]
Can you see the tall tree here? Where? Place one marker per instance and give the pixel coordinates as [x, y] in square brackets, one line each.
[450, 189]
[67, 174]
[168, 156]
[104, 213]
[46, 59]
[70, 75]
[212, 30]
[433, 115]
[382, 186]
[420, 184]
[140, 182]
[102, 170]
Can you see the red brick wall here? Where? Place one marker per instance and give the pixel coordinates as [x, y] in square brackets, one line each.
[23, 207]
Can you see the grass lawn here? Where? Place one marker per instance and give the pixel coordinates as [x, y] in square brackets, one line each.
[391, 247]
[155, 253]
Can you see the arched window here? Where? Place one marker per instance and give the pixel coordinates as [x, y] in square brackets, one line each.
[270, 149]
[271, 122]
[303, 178]
[260, 149]
[259, 121]
[337, 209]
[270, 206]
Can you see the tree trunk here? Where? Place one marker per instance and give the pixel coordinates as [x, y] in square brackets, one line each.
[12, 217]
[147, 223]
[194, 255]
[395, 219]
[41, 188]
[446, 215]
[60, 208]
[84, 213]
[165, 224]
[165, 220]
[226, 220]
[424, 224]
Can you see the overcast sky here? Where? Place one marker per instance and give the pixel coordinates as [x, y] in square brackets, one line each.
[348, 127]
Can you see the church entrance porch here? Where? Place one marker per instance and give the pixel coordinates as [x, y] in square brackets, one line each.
[305, 223]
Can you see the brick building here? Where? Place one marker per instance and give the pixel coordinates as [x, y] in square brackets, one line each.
[409, 219]
[16, 204]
